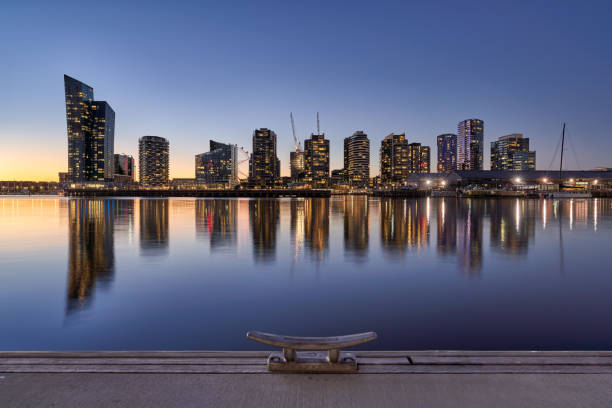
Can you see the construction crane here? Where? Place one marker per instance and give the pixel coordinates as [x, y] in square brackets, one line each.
[295, 139]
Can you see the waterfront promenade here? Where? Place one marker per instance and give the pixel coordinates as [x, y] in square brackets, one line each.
[236, 379]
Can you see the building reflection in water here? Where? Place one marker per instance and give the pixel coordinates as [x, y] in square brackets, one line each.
[446, 219]
[393, 225]
[356, 226]
[404, 223]
[417, 217]
[512, 224]
[154, 226]
[216, 221]
[264, 215]
[316, 227]
[91, 255]
[469, 242]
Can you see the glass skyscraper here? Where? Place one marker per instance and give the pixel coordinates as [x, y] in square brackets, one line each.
[91, 134]
[357, 159]
[153, 161]
[470, 144]
[447, 153]
[316, 154]
[394, 159]
[418, 158]
[264, 166]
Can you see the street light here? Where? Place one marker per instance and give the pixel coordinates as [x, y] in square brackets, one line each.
[428, 182]
[518, 180]
[544, 180]
[595, 182]
[443, 183]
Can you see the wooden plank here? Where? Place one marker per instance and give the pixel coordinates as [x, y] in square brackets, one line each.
[135, 354]
[484, 369]
[149, 368]
[383, 360]
[523, 360]
[136, 361]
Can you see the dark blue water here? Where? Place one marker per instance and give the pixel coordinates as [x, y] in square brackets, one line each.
[197, 274]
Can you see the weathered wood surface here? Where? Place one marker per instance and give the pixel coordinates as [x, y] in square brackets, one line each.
[370, 362]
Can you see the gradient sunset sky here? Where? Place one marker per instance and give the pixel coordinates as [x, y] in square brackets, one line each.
[195, 71]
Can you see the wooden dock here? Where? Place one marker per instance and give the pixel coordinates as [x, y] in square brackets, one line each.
[384, 378]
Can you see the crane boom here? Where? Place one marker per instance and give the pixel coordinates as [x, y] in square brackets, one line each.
[295, 139]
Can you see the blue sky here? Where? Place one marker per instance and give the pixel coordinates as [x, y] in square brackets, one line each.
[195, 71]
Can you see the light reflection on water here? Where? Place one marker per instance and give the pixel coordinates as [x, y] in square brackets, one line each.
[197, 274]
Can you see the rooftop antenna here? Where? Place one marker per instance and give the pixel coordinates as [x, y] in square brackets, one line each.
[295, 139]
[318, 127]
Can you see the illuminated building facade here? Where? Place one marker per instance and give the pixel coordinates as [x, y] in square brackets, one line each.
[357, 159]
[511, 152]
[316, 154]
[418, 158]
[218, 166]
[91, 133]
[264, 166]
[124, 166]
[297, 164]
[153, 161]
[394, 159]
[447, 153]
[470, 144]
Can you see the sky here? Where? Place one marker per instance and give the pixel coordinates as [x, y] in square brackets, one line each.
[195, 71]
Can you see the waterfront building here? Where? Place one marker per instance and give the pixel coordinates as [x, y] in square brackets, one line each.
[357, 159]
[124, 166]
[447, 153]
[470, 144]
[264, 165]
[394, 159]
[511, 152]
[218, 166]
[418, 158]
[153, 161]
[338, 178]
[316, 154]
[91, 133]
[297, 164]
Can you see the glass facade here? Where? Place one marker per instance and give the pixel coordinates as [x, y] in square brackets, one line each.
[153, 161]
[124, 165]
[297, 165]
[418, 158]
[264, 166]
[218, 166]
[511, 152]
[447, 153]
[316, 154]
[394, 159]
[91, 132]
[470, 144]
[357, 159]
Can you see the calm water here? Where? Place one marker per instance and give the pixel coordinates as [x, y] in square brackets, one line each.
[197, 274]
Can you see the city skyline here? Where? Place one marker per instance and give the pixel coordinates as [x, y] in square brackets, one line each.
[527, 76]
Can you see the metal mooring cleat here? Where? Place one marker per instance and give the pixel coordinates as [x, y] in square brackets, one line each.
[322, 354]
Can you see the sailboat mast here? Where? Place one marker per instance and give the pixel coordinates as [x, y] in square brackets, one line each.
[561, 161]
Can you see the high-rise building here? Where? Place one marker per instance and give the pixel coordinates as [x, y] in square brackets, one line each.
[124, 166]
[297, 164]
[218, 166]
[447, 153]
[470, 144]
[153, 161]
[91, 134]
[394, 159]
[316, 154]
[357, 159]
[511, 152]
[418, 158]
[264, 165]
